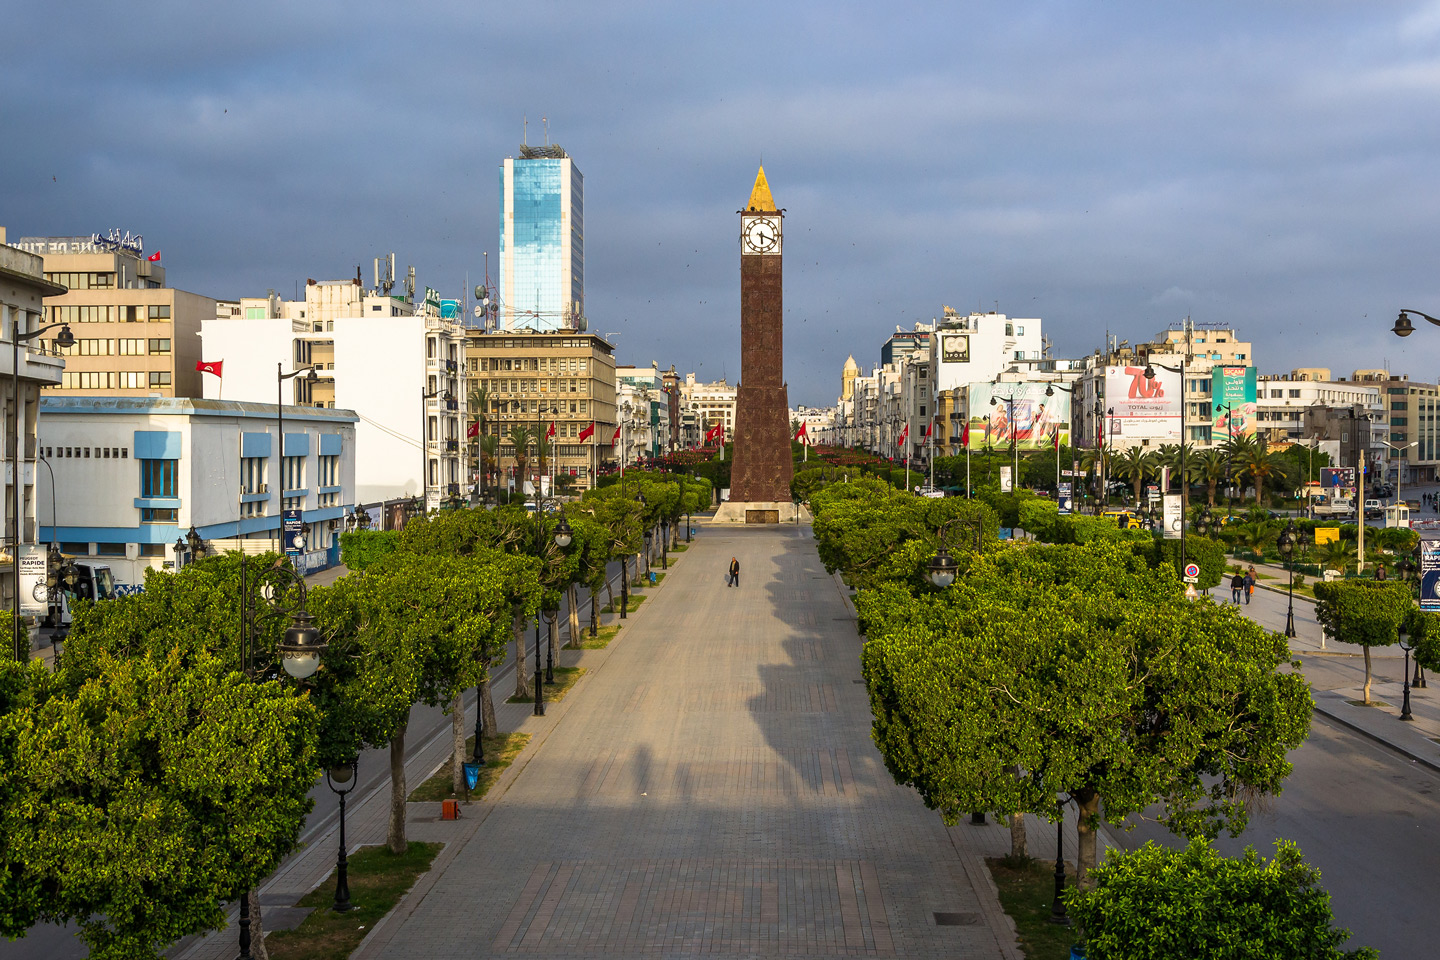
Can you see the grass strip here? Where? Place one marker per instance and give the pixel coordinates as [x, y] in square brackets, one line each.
[679, 548]
[565, 678]
[602, 639]
[500, 752]
[1026, 893]
[378, 879]
[635, 601]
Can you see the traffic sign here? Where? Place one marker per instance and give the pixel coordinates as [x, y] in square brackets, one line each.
[1192, 571]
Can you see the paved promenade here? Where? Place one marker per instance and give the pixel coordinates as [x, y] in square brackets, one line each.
[710, 788]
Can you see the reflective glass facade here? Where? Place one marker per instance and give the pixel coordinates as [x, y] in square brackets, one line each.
[542, 244]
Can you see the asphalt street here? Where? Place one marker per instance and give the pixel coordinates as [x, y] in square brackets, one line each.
[1360, 812]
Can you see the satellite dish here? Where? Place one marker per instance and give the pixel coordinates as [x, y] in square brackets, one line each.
[480, 292]
[479, 311]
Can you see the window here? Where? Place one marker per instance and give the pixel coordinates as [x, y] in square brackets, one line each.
[328, 468]
[293, 473]
[160, 346]
[253, 508]
[152, 549]
[1019, 331]
[252, 475]
[159, 311]
[159, 378]
[158, 478]
[1294, 394]
[109, 549]
[292, 503]
[133, 347]
[84, 281]
[1274, 394]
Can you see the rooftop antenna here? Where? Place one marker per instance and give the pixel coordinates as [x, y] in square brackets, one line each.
[545, 125]
[525, 131]
[410, 282]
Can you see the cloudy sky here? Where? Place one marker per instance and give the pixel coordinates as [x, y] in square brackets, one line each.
[1101, 165]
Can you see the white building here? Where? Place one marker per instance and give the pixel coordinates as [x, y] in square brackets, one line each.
[23, 288]
[709, 404]
[977, 347]
[397, 364]
[643, 411]
[134, 474]
[1282, 399]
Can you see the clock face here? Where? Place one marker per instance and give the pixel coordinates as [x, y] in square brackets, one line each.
[761, 235]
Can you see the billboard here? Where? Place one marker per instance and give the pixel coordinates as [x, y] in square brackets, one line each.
[955, 348]
[1038, 419]
[1141, 409]
[1232, 401]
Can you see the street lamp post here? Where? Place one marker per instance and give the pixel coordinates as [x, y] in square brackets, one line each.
[1057, 905]
[1407, 645]
[337, 778]
[1286, 543]
[276, 591]
[1014, 434]
[1184, 440]
[20, 638]
[1050, 389]
[563, 536]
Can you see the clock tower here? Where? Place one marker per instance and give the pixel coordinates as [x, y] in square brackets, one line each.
[761, 473]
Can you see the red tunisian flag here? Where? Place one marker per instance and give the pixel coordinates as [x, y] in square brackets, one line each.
[551, 432]
[210, 366]
[926, 434]
[801, 434]
[474, 430]
[965, 436]
[154, 257]
[615, 439]
[588, 432]
[904, 435]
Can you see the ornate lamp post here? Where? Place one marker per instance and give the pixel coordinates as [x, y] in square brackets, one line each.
[1057, 905]
[1407, 645]
[19, 636]
[274, 592]
[337, 778]
[563, 536]
[1014, 435]
[1286, 543]
[1403, 327]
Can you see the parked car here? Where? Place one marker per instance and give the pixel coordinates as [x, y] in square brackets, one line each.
[1374, 510]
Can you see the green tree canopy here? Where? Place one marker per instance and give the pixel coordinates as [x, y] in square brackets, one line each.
[1088, 671]
[1160, 904]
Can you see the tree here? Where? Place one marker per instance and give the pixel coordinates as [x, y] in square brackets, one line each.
[148, 781]
[520, 438]
[1093, 675]
[1160, 904]
[489, 457]
[1211, 466]
[1135, 465]
[479, 407]
[1255, 461]
[1364, 612]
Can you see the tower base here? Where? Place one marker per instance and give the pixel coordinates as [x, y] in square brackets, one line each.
[759, 512]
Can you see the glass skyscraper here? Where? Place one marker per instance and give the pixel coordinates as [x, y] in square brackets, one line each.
[542, 241]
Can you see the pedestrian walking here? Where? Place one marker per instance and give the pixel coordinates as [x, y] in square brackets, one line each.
[733, 580]
[1237, 584]
[1249, 582]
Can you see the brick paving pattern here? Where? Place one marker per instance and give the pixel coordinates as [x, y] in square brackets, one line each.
[710, 788]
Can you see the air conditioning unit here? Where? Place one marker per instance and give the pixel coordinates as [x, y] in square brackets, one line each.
[263, 488]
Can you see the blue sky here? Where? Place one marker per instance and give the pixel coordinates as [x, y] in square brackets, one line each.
[1109, 165]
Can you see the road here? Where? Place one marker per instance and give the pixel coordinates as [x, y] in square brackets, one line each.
[1360, 812]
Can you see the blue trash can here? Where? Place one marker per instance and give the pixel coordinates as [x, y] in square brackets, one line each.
[652, 578]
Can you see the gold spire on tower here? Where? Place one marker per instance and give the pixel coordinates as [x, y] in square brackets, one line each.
[760, 199]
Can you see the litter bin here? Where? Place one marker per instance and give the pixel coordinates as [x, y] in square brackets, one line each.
[653, 580]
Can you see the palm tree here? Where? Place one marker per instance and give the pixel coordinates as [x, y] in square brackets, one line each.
[1097, 459]
[1335, 555]
[1260, 465]
[489, 452]
[1135, 465]
[520, 437]
[1169, 456]
[480, 414]
[1210, 466]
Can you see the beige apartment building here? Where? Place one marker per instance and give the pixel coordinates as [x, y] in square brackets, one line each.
[134, 336]
[533, 378]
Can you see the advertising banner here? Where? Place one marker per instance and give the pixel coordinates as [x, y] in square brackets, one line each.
[294, 529]
[1038, 419]
[1430, 575]
[955, 348]
[1063, 496]
[1332, 477]
[1141, 409]
[1007, 483]
[1171, 516]
[1233, 401]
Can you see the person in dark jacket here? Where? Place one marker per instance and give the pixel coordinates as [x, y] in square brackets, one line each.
[1237, 585]
[1249, 582]
[734, 579]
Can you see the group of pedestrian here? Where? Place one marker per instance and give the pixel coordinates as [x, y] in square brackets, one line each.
[1243, 583]
[1430, 500]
